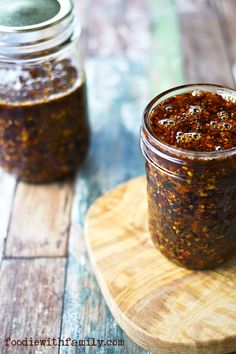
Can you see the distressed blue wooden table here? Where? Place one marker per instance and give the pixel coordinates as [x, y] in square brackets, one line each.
[134, 49]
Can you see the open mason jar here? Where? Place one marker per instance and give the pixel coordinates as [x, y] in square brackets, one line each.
[191, 194]
[44, 130]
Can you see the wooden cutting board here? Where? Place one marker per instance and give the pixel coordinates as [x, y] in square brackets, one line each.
[162, 307]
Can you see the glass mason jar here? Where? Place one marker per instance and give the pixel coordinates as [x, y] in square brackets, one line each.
[44, 130]
[191, 195]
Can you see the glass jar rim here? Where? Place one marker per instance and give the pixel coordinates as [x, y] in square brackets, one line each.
[179, 152]
[22, 41]
[66, 7]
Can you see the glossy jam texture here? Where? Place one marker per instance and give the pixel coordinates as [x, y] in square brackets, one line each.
[44, 131]
[192, 215]
[196, 121]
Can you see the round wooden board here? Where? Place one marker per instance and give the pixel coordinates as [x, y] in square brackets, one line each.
[162, 307]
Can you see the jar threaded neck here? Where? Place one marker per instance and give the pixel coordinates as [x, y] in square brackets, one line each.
[54, 29]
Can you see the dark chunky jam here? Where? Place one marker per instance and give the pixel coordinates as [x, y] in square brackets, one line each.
[192, 189]
[44, 132]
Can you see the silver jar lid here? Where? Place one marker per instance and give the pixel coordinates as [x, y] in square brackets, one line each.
[30, 26]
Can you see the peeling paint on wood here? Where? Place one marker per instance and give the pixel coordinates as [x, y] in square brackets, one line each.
[226, 13]
[42, 228]
[166, 68]
[7, 191]
[119, 89]
[114, 157]
[31, 293]
[205, 58]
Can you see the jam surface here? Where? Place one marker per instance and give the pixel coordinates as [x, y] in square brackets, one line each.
[196, 120]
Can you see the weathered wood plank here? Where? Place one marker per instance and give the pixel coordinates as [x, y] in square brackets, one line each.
[115, 28]
[85, 312]
[226, 13]
[165, 67]
[114, 157]
[118, 83]
[31, 294]
[205, 58]
[117, 94]
[7, 191]
[40, 220]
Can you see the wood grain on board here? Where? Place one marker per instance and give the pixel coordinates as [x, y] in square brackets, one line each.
[162, 307]
[31, 297]
[40, 220]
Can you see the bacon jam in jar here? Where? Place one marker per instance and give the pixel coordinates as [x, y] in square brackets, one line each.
[44, 129]
[188, 138]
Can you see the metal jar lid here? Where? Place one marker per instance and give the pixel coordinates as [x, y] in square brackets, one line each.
[30, 26]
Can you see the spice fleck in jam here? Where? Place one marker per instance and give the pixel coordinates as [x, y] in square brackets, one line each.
[44, 131]
[189, 141]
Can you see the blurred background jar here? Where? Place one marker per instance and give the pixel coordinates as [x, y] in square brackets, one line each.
[44, 129]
